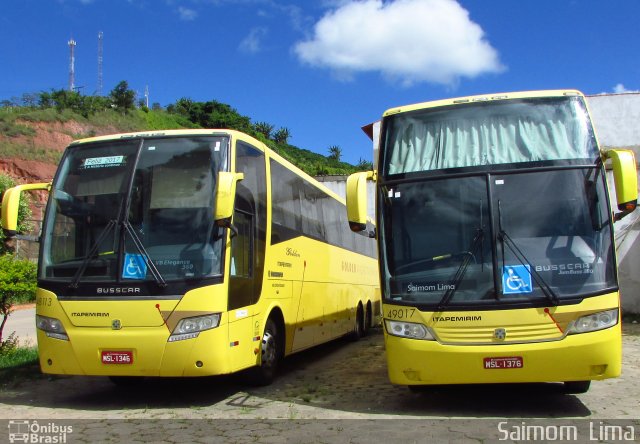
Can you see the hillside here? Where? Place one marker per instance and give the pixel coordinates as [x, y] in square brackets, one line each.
[35, 130]
[32, 141]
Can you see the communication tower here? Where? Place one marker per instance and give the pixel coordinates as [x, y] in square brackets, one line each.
[72, 62]
[99, 86]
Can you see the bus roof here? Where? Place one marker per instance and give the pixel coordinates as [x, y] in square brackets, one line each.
[155, 133]
[483, 98]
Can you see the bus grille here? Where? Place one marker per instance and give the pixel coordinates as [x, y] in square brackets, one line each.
[491, 335]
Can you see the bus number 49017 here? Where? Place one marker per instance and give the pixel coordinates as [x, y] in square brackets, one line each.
[400, 313]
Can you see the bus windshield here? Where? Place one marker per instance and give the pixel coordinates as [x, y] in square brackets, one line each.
[135, 210]
[535, 237]
[491, 133]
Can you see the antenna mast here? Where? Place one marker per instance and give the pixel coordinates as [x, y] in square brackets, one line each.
[99, 86]
[72, 62]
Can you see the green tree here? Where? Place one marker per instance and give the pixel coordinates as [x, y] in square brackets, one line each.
[282, 136]
[17, 277]
[29, 100]
[264, 128]
[45, 100]
[122, 97]
[63, 99]
[335, 153]
[17, 284]
[364, 165]
[221, 115]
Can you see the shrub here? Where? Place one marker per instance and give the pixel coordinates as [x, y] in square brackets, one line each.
[24, 212]
[17, 285]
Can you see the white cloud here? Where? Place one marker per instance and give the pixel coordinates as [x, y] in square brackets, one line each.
[187, 14]
[252, 43]
[410, 41]
[620, 89]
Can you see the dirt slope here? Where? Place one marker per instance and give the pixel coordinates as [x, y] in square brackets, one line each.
[54, 136]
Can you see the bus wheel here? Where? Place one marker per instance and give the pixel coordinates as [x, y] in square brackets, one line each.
[270, 357]
[575, 387]
[358, 327]
[368, 319]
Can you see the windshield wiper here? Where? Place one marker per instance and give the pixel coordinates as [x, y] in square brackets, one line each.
[143, 252]
[92, 252]
[506, 240]
[136, 241]
[462, 268]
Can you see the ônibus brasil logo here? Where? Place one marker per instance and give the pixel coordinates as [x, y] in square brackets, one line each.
[34, 432]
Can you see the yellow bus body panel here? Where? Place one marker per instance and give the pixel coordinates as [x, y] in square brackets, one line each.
[573, 357]
[145, 331]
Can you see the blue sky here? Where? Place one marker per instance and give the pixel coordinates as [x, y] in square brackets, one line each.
[321, 68]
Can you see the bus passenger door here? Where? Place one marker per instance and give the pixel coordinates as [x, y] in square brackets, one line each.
[241, 287]
[247, 257]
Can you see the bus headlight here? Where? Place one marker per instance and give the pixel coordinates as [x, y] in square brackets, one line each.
[52, 327]
[593, 322]
[408, 330]
[190, 328]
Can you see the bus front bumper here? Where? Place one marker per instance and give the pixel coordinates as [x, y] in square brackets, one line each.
[581, 357]
[133, 352]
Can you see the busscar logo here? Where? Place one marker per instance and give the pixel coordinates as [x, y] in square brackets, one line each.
[118, 290]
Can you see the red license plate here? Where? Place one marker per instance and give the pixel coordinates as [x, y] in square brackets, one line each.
[117, 357]
[503, 363]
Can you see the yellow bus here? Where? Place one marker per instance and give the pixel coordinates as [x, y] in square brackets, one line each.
[495, 235]
[191, 253]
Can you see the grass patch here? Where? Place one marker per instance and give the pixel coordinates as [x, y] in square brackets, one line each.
[10, 128]
[129, 122]
[18, 357]
[19, 364]
[49, 115]
[29, 152]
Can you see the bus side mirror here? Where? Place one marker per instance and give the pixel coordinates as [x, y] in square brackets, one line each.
[10, 203]
[625, 178]
[357, 200]
[225, 197]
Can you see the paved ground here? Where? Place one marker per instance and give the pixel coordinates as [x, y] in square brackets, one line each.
[22, 322]
[335, 393]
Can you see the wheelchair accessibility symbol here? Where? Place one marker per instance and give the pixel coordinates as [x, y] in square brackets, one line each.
[134, 267]
[516, 279]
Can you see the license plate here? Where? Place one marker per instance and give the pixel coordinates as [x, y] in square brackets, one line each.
[117, 357]
[503, 363]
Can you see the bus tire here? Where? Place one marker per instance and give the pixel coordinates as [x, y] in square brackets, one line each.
[265, 373]
[358, 326]
[575, 387]
[368, 319]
